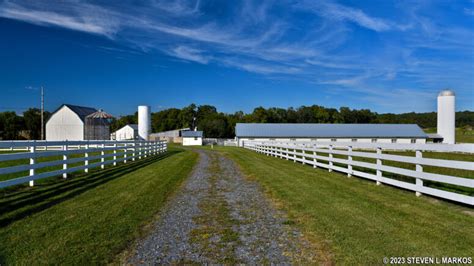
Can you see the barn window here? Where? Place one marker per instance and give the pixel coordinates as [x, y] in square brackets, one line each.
[195, 138]
[251, 139]
[374, 140]
[293, 139]
[333, 140]
[354, 140]
[413, 140]
[394, 140]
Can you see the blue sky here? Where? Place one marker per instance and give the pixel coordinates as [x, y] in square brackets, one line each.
[389, 56]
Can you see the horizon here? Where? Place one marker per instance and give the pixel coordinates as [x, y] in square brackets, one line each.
[385, 56]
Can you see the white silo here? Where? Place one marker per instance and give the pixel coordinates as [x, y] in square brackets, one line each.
[144, 122]
[446, 116]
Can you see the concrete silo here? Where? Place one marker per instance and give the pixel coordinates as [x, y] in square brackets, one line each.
[447, 116]
[144, 122]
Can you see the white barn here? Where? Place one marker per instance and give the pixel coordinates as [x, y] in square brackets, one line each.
[68, 123]
[128, 132]
[192, 138]
[375, 133]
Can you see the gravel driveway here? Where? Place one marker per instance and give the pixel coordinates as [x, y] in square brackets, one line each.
[220, 217]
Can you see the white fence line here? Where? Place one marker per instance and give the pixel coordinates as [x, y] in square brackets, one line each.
[121, 151]
[321, 154]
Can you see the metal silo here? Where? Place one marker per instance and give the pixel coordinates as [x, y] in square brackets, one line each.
[98, 126]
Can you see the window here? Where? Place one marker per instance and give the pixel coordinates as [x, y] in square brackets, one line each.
[195, 138]
[272, 139]
[333, 140]
[293, 139]
[251, 139]
[314, 139]
[413, 140]
[354, 140]
[394, 140]
[374, 140]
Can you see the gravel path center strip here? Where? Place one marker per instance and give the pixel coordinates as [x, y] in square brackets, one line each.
[220, 217]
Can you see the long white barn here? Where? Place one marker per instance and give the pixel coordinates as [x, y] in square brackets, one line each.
[382, 133]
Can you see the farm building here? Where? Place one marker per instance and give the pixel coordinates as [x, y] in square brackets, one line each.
[192, 138]
[128, 132]
[71, 122]
[383, 133]
[171, 135]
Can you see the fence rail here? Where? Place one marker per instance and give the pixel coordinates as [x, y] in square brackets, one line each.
[321, 154]
[89, 151]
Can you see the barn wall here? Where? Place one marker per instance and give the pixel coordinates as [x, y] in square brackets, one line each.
[359, 140]
[191, 141]
[125, 133]
[64, 125]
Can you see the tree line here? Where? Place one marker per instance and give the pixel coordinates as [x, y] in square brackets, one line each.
[217, 124]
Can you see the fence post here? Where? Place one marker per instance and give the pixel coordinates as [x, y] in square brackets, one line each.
[102, 153]
[86, 155]
[125, 152]
[303, 151]
[134, 150]
[349, 165]
[32, 162]
[115, 154]
[330, 158]
[294, 154]
[65, 148]
[419, 168]
[379, 164]
[139, 150]
[315, 161]
[287, 153]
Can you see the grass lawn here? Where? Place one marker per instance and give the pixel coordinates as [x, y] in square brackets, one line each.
[355, 221]
[88, 219]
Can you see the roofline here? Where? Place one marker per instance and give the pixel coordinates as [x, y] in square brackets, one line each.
[326, 124]
[355, 137]
[65, 104]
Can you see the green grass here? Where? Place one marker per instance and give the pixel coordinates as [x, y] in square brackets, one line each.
[88, 219]
[356, 221]
[461, 135]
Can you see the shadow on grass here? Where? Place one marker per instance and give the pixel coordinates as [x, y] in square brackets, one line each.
[20, 203]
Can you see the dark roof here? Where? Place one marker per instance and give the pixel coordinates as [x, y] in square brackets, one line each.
[329, 130]
[81, 111]
[134, 126]
[191, 134]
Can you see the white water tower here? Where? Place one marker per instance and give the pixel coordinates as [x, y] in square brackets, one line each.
[447, 116]
[144, 122]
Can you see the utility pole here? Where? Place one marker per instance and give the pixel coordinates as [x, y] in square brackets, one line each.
[42, 113]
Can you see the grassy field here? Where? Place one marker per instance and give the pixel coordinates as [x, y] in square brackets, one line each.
[88, 219]
[461, 136]
[355, 221]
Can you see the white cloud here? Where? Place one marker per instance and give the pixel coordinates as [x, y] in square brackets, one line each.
[189, 54]
[88, 18]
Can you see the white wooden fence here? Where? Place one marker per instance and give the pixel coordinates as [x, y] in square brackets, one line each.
[321, 154]
[109, 152]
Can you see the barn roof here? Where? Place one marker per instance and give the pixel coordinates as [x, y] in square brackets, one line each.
[329, 130]
[81, 111]
[191, 134]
